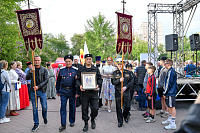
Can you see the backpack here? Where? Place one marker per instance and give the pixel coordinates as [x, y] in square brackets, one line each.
[1, 85]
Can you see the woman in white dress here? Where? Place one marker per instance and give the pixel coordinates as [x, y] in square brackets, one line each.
[14, 103]
[107, 87]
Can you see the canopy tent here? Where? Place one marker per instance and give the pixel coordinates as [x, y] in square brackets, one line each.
[55, 65]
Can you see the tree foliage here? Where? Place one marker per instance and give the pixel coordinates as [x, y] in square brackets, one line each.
[100, 36]
[10, 41]
[77, 43]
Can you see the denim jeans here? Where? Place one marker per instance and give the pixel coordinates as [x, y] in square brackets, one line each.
[4, 98]
[43, 101]
[141, 97]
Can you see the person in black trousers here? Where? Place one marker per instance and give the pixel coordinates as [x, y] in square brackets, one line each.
[89, 97]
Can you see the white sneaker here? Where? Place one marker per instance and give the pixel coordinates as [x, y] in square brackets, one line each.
[109, 111]
[170, 127]
[2, 121]
[6, 119]
[146, 118]
[166, 122]
[150, 120]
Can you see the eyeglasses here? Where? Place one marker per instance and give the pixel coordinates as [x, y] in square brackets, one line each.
[109, 60]
[167, 63]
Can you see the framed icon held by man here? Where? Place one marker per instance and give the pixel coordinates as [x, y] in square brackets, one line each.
[88, 80]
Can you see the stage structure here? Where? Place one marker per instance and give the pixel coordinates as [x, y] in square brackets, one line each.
[177, 10]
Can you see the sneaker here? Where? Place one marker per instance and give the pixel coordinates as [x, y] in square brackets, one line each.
[160, 113]
[6, 119]
[150, 120]
[35, 128]
[144, 114]
[147, 114]
[146, 118]
[109, 111]
[165, 115]
[2, 121]
[166, 122]
[170, 127]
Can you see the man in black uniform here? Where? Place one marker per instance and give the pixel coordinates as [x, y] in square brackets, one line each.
[89, 97]
[127, 80]
[77, 65]
[134, 86]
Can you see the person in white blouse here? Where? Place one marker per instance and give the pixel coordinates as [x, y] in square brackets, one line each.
[14, 103]
[4, 95]
[108, 90]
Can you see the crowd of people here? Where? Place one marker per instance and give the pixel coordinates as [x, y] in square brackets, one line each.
[111, 81]
[14, 92]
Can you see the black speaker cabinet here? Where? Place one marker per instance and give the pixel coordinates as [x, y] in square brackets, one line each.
[194, 42]
[171, 42]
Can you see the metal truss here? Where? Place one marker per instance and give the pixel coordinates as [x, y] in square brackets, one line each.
[178, 26]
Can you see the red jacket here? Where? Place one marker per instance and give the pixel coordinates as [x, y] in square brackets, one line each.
[151, 85]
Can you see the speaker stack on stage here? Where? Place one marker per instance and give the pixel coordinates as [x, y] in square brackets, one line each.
[171, 43]
[194, 42]
[195, 45]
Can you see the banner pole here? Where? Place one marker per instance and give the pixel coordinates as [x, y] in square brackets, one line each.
[34, 78]
[122, 74]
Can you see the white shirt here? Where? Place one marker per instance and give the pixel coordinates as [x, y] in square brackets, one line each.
[108, 70]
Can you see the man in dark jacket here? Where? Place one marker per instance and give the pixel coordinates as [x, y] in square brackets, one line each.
[169, 94]
[134, 86]
[127, 80]
[89, 97]
[140, 73]
[66, 89]
[41, 80]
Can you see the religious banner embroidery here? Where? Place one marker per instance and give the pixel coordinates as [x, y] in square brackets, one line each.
[29, 22]
[124, 33]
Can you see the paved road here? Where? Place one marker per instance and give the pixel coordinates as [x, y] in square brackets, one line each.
[106, 122]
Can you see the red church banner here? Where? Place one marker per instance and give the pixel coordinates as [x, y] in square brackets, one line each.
[29, 22]
[124, 33]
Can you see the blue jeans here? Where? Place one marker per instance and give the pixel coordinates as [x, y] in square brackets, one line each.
[43, 101]
[4, 98]
[141, 97]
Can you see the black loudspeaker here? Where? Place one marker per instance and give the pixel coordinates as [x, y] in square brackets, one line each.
[194, 42]
[171, 42]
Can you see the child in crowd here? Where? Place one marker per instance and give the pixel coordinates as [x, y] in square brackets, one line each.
[151, 93]
[169, 93]
[147, 113]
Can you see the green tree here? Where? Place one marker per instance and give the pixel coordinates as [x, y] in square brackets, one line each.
[57, 43]
[77, 43]
[139, 46]
[100, 36]
[10, 41]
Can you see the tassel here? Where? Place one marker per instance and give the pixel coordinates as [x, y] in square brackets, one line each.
[115, 56]
[129, 57]
[40, 52]
[27, 54]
